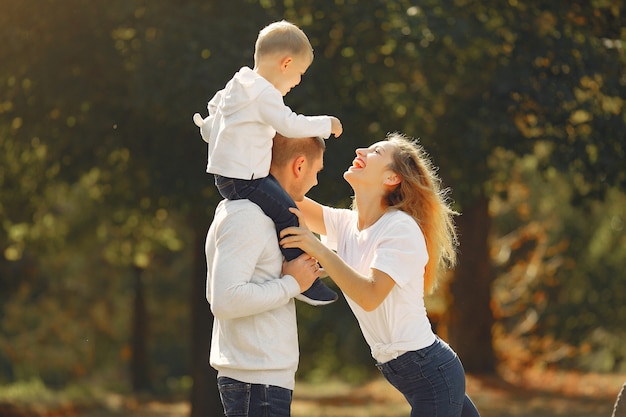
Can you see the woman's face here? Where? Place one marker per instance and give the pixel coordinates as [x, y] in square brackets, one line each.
[371, 166]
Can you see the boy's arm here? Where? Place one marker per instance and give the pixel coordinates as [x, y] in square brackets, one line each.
[273, 111]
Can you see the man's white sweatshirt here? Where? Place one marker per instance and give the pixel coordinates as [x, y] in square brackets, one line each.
[254, 337]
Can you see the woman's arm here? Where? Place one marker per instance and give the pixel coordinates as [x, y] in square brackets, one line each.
[313, 215]
[367, 291]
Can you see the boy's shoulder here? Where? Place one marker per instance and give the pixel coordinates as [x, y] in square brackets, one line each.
[250, 84]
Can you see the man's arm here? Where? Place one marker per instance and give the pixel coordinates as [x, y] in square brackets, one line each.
[240, 254]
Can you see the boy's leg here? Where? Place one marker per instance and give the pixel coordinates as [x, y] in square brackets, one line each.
[227, 187]
[275, 203]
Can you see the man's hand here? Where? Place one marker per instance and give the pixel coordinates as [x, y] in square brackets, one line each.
[304, 269]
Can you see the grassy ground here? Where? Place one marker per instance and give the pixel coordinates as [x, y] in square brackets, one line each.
[567, 395]
[531, 394]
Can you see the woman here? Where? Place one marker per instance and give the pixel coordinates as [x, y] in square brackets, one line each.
[391, 248]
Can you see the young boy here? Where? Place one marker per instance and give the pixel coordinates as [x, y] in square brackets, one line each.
[243, 119]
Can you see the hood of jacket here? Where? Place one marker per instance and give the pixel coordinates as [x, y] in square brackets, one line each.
[242, 89]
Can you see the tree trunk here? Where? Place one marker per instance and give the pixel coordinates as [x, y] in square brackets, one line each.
[470, 318]
[139, 363]
[205, 398]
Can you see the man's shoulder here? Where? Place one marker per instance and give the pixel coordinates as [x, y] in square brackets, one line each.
[240, 210]
[242, 221]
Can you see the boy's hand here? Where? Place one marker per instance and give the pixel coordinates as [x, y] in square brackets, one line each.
[335, 126]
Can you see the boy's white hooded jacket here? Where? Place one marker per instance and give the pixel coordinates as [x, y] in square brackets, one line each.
[243, 119]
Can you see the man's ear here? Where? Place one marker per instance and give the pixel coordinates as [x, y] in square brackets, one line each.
[392, 179]
[297, 165]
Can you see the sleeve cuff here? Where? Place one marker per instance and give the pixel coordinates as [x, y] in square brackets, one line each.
[292, 285]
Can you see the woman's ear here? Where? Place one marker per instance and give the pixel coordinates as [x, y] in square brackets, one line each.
[392, 179]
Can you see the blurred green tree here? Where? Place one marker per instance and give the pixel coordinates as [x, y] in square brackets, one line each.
[74, 96]
[559, 295]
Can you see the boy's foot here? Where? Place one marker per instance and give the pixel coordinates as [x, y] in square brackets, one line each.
[318, 294]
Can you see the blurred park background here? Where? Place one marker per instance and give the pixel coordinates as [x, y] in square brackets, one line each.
[104, 203]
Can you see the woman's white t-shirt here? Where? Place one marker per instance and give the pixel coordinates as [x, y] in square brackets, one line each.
[396, 246]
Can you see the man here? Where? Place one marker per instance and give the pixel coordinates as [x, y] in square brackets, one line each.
[250, 288]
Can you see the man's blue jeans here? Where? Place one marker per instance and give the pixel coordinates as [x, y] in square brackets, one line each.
[432, 380]
[241, 399]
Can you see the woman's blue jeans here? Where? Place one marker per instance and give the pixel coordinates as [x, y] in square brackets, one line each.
[241, 399]
[432, 380]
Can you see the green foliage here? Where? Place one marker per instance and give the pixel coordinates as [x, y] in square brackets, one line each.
[80, 201]
[560, 268]
[468, 77]
[35, 392]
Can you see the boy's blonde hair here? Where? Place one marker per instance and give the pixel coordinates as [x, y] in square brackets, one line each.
[282, 37]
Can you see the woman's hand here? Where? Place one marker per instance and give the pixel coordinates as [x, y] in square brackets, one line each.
[301, 237]
[367, 291]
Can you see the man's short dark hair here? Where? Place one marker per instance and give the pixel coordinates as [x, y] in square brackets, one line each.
[286, 149]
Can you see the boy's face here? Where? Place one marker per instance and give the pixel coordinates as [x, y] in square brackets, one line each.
[292, 68]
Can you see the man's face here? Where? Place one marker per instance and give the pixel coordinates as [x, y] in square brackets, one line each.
[308, 178]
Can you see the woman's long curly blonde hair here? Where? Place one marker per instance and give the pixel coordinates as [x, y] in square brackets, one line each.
[420, 195]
